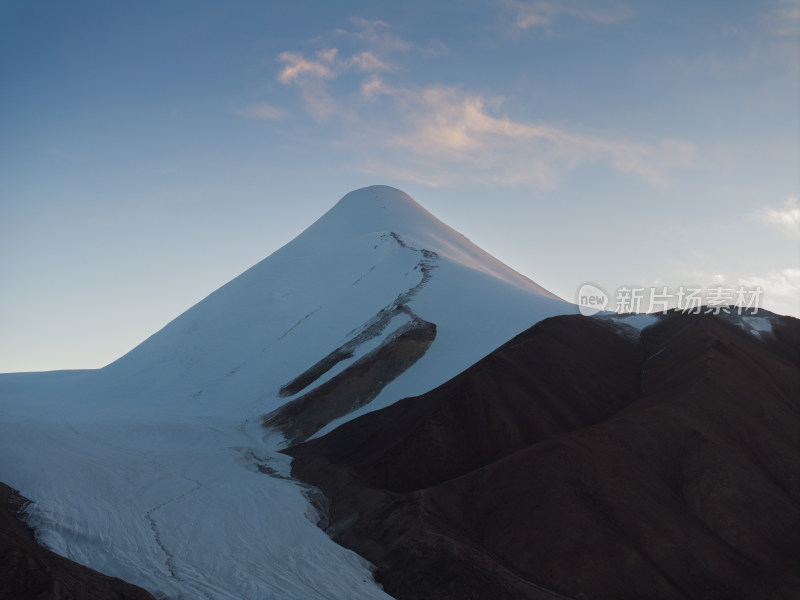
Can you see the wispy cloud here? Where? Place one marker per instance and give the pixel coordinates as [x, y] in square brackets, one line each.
[784, 19]
[379, 36]
[368, 62]
[442, 135]
[544, 14]
[298, 67]
[373, 87]
[784, 220]
[781, 290]
[262, 111]
[452, 128]
[308, 74]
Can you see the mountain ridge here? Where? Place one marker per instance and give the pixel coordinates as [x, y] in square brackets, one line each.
[579, 461]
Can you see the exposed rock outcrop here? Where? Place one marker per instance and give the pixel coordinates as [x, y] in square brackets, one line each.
[576, 462]
[30, 572]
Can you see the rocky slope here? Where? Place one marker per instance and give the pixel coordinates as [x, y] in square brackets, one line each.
[27, 570]
[577, 461]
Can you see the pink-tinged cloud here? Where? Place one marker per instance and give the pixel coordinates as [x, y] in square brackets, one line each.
[297, 66]
[308, 76]
[457, 127]
[371, 88]
[368, 62]
[442, 134]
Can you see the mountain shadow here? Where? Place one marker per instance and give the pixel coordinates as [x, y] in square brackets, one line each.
[577, 462]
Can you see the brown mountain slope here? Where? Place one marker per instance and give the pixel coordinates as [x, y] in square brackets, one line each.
[574, 462]
[29, 571]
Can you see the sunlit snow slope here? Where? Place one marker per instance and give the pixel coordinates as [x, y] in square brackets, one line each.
[159, 469]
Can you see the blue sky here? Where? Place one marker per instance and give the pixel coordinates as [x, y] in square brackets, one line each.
[151, 151]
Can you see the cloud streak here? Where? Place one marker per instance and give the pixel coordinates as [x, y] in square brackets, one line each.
[451, 128]
[298, 67]
[785, 221]
[444, 135]
[784, 20]
[781, 290]
[378, 35]
[544, 14]
[368, 62]
[308, 74]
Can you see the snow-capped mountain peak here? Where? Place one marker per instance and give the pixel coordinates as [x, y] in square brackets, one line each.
[149, 458]
[377, 254]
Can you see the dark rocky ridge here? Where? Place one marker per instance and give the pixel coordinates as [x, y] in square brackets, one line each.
[574, 462]
[362, 381]
[29, 571]
[357, 385]
[372, 328]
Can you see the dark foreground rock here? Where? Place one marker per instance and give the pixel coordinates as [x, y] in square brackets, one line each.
[30, 572]
[576, 462]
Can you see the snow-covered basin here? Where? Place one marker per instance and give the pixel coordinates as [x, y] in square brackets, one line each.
[176, 505]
